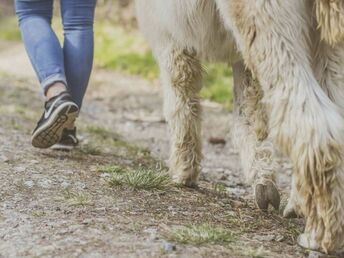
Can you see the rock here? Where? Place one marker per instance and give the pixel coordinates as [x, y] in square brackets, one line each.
[29, 184]
[19, 169]
[279, 238]
[168, 247]
[87, 221]
[65, 185]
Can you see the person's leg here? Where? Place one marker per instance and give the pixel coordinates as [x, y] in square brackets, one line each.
[46, 56]
[78, 16]
[42, 45]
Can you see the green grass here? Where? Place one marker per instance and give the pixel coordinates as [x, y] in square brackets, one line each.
[9, 29]
[76, 198]
[127, 52]
[137, 179]
[124, 51]
[199, 234]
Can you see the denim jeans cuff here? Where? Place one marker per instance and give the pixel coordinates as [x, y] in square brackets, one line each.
[51, 80]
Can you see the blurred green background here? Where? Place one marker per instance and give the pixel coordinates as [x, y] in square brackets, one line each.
[120, 47]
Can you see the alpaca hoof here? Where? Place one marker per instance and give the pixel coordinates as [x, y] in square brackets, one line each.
[306, 241]
[266, 193]
[289, 211]
[185, 182]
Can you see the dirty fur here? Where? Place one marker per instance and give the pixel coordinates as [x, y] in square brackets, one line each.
[330, 17]
[283, 49]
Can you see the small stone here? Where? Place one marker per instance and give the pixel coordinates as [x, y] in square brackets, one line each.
[19, 169]
[65, 184]
[87, 221]
[279, 238]
[168, 247]
[29, 184]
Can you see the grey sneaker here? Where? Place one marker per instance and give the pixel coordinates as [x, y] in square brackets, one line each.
[60, 113]
[68, 141]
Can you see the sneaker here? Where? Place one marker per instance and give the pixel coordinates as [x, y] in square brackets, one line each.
[60, 113]
[68, 141]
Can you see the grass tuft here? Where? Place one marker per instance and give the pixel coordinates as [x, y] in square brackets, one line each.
[76, 198]
[199, 234]
[138, 179]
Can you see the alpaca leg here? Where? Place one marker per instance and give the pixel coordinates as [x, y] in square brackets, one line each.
[181, 75]
[249, 136]
[303, 121]
[328, 63]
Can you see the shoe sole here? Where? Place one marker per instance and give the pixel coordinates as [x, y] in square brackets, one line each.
[51, 132]
[62, 147]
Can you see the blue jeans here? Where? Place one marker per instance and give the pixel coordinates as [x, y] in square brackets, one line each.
[70, 64]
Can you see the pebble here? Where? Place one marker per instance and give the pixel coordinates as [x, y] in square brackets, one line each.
[169, 247]
[65, 185]
[19, 169]
[29, 184]
[279, 238]
[87, 221]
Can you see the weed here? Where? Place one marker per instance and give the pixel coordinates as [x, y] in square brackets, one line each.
[141, 179]
[76, 198]
[199, 234]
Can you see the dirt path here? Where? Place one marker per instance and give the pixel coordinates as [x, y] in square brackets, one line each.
[59, 204]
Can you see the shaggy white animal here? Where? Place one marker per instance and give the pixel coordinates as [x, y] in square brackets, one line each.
[295, 50]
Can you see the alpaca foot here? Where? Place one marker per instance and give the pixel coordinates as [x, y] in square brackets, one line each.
[266, 193]
[188, 181]
[306, 240]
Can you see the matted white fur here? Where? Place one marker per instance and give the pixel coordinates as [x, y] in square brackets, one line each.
[297, 104]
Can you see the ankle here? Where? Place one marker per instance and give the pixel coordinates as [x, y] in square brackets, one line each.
[54, 90]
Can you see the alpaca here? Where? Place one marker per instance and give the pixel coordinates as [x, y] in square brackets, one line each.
[287, 59]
